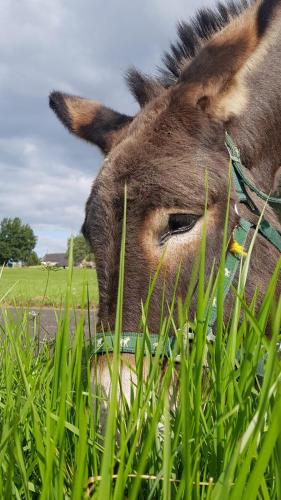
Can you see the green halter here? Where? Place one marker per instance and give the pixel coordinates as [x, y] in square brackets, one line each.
[240, 181]
[104, 342]
[241, 231]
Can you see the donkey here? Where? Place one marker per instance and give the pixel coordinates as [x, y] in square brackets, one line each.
[223, 74]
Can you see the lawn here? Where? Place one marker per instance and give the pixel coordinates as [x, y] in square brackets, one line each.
[38, 286]
[205, 428]
[200, 422]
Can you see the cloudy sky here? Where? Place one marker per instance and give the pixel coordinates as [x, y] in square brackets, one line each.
[81, 47]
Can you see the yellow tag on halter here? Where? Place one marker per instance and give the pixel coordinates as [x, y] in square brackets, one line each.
[236, 248]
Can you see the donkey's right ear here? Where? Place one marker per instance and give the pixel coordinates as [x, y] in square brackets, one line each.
[89, 120]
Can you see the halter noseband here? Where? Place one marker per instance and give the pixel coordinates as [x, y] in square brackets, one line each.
[104, 342]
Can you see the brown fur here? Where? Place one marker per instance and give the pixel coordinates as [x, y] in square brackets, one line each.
[82, 112]
[231, 83]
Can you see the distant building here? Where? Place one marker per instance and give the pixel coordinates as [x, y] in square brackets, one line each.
[55, 259]
[12, 263]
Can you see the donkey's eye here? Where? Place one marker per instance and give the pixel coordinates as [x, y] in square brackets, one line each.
[177, 224]
[181, 222]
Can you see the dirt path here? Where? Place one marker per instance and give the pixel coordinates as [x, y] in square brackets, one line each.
[44, 320]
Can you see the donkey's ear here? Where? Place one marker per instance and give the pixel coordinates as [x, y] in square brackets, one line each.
[89, 120]
[215, 79]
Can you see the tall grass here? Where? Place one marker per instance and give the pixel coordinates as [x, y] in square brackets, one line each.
[207, 427]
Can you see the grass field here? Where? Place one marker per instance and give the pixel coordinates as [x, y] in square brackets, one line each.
[38, 286]
[207, 427]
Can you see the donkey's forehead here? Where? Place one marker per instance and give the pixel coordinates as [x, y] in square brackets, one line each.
[160, 153]
[151, 111]
[139, 145]
[161, 181]
[143, 124]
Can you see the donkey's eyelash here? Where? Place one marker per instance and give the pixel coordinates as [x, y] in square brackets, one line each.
[178, 223]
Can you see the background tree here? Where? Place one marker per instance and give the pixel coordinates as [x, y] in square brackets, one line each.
[33, 259]
[17, 240]
[81, 249]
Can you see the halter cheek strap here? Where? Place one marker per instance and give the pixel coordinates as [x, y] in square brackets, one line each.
[242, 230]
[240, 235]
[240, 182]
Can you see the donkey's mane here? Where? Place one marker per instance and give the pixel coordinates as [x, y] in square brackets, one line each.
[191, 35]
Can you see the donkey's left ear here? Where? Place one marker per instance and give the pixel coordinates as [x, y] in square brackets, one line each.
[215, 79]
[89, 120]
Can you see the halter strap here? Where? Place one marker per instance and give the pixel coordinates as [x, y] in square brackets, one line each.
[240, 181]
[130, 341]
[238, 168]
[240, 235]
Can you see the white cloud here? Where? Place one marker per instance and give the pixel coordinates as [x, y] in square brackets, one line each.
[79, 47]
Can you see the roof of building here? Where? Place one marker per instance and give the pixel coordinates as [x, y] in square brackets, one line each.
[59, 259]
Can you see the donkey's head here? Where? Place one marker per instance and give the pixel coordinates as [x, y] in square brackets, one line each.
[162, 155]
